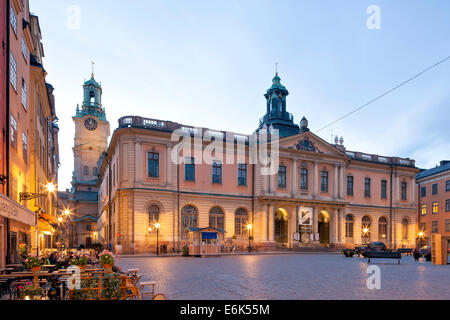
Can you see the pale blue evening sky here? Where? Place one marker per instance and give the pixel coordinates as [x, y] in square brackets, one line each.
[208, 63]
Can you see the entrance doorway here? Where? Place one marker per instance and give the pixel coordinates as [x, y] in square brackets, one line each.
[281, 226]
[324, 227]
[13, 248]
[88, 242]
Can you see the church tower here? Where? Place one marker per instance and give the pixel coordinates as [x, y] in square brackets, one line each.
[276, 113]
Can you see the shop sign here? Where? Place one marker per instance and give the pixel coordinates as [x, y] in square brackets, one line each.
[12, 210]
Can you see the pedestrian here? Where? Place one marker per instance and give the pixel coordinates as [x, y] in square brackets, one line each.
[416, 254]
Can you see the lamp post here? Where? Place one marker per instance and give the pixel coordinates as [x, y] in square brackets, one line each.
[421, 235]
[157, 225]
[249, 228]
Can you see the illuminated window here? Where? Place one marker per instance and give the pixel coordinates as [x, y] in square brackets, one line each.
[435, 207]
[216, 218]
[349, 222]
[382, 229]
[240, 221]
[423, 209]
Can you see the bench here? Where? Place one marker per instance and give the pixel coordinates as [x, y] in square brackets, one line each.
[408, 251]
[383, 255]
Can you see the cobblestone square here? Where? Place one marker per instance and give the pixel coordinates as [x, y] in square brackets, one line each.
[290, 276]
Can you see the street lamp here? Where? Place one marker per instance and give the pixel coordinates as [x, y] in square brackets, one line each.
[157, 225]
[249, 228]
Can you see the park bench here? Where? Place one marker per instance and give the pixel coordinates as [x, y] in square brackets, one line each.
[408, 251]
[383, 255]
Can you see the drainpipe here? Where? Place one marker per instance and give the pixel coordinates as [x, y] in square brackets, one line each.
[418, 211]
[253, 203]
[390, 206]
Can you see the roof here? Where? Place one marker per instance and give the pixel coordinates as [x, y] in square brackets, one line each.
[445, 166]
[86, 217]
[92, 81]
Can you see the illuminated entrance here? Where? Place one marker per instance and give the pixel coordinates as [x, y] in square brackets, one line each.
[281, 226]
[324, 227]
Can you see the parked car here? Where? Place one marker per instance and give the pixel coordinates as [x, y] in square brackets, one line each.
[425, 251]
[373, 246]
[359, 249]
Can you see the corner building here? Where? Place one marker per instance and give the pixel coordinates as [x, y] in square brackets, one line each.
[320, 194]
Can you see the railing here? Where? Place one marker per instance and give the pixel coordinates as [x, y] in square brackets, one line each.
[376, 158]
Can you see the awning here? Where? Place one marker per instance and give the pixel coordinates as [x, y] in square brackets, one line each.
[12, 210]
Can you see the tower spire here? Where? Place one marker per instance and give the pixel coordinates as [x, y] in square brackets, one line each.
[276, 68]
[92, 74]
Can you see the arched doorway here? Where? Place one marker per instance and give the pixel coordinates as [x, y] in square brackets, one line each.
[324, 227]
[281, 226]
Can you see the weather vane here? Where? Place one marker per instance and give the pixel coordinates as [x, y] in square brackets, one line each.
[93, 68]
[276, 68]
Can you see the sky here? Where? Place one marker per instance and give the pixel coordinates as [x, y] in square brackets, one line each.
[208, 64]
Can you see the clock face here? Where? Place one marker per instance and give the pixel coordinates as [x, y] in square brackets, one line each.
[90, 124]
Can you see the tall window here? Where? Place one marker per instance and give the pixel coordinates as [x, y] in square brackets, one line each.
[240, 221]
[153, 215]
[447, 185]
[434, 188]
[24, 147]
[13, 72]
[189, 217]
[366, 187]
[13, 20]
[349, 222]
[13, 132]
[86, 170]
[382, 229]
[447, 225]
[303, 179]
[423, 192]
[366, 224]
[189, 169]
[282, 176]
[153, 165]
[349, 185]
[24, 49]
[217, 172]
[435, 207]
[404, 187]
[324, 181]
[383, 189]
[24, 93]
[447, 205]
[434, 227]
[216, 218]
[242, 174]
[405, 230]
[423, 209]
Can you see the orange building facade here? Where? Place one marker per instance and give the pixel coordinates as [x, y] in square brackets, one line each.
[434, 202]
[318, 194]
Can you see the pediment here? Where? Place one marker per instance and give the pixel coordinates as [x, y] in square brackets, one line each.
[309, 142]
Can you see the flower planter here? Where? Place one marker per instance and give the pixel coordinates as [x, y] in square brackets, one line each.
[36, 269]
[82, 267]
[107, 267]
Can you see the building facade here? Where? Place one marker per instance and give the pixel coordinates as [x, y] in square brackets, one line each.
[319, 195]
[91, 140]
[434, 202]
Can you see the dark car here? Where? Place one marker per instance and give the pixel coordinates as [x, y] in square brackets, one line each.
[359, 249]
[373, 246]
[425, 251]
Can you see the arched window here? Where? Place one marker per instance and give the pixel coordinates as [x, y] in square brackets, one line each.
[382, 229]
[365, 229]
[188, 217]
[349, 222]
[216, 218]
[153, 214]
[240, 221]
[405, 224]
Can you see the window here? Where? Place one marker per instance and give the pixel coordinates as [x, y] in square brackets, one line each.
[216, 218]
[423, 209]
[434, 188]
[447, 225]
[447, 205]
[24, 49]
[282, 176]
[86, 170]
[24, 147]
[365, 232]
[366, 187]
[153, 215]
[349, 185]
[240, 221]
[13, 71]
[217, 172]
[404, 187]
[303, 179]
[189, 169]
[382, 229]
[153, 165]
[13, 132]
[349, 222]
[435, 207]
[434, 227]
[324, 181]
[13, 20]
[242, 174]
[383, 189]
[423, 192]
[405, 230]
[88, 227]
[447, 185]
[24, 93]
[188, 217]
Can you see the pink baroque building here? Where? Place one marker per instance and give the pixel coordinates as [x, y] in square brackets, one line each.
[319, 194]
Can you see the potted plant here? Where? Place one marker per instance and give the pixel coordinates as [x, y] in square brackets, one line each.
[82, 262]
[107, 259]
[29, 292]
[33, 263]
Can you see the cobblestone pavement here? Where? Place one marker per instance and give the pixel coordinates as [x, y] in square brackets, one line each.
[290, 276]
